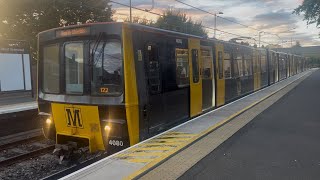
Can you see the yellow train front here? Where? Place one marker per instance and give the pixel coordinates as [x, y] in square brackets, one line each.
[111, 85]
[87, 94]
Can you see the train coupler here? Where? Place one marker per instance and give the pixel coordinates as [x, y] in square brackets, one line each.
[69, 152]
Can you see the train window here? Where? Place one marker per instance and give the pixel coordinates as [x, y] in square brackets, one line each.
[220, 62]
[263, 64]
[182, 67]
[106, 68]
[235, 69]
[248, 64]
[51, 71]
[227, 65]
[195, 65]
[239, 66]
[206, 56]
[74, 68]
[153, 69]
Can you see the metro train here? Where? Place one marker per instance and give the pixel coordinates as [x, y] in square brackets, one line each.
[108, 86]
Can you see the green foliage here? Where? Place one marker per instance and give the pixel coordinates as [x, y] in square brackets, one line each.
[24, 19]
[177, 21]
[142, 21]
[311, 11]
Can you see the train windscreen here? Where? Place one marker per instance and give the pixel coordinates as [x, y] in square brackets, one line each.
[106, 68]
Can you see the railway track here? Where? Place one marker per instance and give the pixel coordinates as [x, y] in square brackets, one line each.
[29, 156]
[22, 146]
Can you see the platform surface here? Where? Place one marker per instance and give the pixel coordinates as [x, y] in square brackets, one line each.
[18, 113]
[141, 158]
[18, 107]
[280, 143]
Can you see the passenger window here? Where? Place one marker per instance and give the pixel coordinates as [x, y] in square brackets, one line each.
[248, 65]
[182, 67]
[263, 64]
[206, 56]
[153, 69]
[235, 69]
[227, 65]
[220, 62]
[195, 65]
[238, 66]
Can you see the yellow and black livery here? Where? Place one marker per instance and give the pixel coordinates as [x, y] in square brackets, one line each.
[111, 85]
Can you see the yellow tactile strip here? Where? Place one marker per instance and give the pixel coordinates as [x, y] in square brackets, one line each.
[157, 148]
[167, 154]
[178, 164]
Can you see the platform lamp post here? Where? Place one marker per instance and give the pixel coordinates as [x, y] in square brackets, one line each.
[260, 37]
[288, 31]
[215, 23]
[130, 11]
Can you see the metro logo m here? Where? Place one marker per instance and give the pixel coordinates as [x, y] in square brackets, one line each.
[74, 118]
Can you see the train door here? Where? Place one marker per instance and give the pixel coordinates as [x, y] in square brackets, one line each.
[271, 67]
[208, 82]
[256, 70]
[195, 77]
[288, 65]
[153, 81]
[220, 94]
[277, 67]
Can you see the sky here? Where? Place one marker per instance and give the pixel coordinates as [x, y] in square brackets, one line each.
[270, 17]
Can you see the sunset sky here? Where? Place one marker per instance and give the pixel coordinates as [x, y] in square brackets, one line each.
[271, 16]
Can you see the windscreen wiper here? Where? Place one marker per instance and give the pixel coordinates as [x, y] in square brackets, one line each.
[95, 47]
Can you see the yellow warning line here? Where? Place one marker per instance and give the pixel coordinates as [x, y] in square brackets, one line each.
[153, 148]
[146, 154]
[198, 136]
[171, 139]
[157, 145]
[141, 160]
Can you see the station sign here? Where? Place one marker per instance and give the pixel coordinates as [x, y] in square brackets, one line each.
[13, 47]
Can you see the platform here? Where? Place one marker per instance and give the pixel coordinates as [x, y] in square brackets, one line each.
[13, 108]
[18, 113]
[171, 154]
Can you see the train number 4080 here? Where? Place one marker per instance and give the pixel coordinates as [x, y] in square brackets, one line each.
[115, 143]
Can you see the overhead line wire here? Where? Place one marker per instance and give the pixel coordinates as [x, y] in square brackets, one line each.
[215, 14]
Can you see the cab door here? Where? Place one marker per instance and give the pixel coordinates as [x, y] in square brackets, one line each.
[220, 80]
[195, 77]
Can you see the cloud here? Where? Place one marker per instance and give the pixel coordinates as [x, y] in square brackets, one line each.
[267, 15]
[274, 19]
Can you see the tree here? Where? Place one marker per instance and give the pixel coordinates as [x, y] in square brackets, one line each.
[24, 19]
[311, 10]
[297, 45]
[177, 21]
[142, 21]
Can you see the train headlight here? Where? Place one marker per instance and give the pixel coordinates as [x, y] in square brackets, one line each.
[48, 121]
[107, 128]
